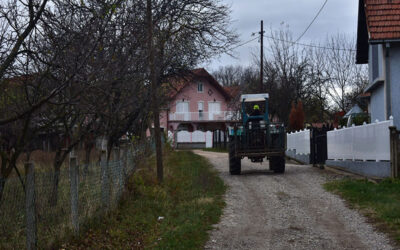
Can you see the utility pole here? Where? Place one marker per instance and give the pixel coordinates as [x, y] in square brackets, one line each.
[262, 57]
[154, 90]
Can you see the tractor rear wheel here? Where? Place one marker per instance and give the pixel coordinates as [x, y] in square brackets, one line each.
[234, 162]
[277, 164]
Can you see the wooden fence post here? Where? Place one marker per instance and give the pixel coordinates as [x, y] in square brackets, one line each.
[394, 152]
[105, 188]
[116, 170]
[30, 206]
[73, 177]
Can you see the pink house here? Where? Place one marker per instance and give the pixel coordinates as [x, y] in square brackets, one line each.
[198, 102]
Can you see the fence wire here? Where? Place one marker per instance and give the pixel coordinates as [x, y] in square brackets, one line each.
[53, 202]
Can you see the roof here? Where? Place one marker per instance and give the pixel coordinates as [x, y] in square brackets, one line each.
[383, 19]
[364, 95]
[378, 21]
[180, 82]
[232, 90]
[354, 110]
[254, 97]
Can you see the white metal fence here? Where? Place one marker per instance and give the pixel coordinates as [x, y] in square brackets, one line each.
[195, 137]
[299, 141]
[204, 116]
[366, 142]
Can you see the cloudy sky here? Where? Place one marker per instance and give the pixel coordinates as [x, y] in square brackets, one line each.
[338, 16]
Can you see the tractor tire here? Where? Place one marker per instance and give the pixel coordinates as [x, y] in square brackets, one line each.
[235, 165]
[277, 164]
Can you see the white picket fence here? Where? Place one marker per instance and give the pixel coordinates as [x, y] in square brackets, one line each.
[195, 137]
[299, 141]
[366, 142]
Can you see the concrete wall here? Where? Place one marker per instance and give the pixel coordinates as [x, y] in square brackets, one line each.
[395, 82]
[190, 145]
[378, 104]
[303, 158]
[366, 168]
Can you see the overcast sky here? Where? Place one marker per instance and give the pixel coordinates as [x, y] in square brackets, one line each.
[338, 16]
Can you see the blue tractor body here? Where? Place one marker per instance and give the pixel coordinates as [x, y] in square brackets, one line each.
[255, 137]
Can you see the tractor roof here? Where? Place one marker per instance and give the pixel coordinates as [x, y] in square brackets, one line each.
[254, 97]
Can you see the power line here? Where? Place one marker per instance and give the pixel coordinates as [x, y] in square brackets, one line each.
[308, 27]
[309, 45]
[242, 44]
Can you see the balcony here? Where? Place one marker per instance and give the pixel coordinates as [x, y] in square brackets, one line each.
[204, 116]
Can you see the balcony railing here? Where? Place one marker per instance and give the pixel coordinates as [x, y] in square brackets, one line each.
[204, 116]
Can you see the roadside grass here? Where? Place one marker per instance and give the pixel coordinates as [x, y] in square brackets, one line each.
[174, 215]
[378, 201]
[217, 150]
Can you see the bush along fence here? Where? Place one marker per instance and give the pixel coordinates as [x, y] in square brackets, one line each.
[34, 219]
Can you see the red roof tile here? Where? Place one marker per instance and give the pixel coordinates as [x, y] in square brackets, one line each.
[383, 19]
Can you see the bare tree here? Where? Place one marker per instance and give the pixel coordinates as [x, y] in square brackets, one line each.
[229, 75]
[183, 34]
[342, 73]
[17, 20]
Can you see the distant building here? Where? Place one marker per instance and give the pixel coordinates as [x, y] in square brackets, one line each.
[199, 102]
[378, 44]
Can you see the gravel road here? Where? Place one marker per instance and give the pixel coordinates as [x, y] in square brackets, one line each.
[290, 211]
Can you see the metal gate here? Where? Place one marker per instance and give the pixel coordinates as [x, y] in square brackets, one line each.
[318, 146]
[220, 139]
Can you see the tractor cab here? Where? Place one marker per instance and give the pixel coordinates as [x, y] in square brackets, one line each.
[250, 104]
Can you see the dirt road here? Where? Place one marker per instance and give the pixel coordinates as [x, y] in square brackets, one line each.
[290, 211]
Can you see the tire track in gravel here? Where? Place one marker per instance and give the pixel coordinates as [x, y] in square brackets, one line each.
[290, 211]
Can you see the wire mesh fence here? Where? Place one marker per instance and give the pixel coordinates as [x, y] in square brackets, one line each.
[51, 209]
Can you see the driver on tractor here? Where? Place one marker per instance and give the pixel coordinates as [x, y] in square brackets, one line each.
[255, 122]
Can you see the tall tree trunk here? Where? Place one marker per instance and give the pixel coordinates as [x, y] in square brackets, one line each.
[154, 88]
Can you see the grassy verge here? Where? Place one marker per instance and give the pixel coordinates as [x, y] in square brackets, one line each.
[217, 150]
[380, 202]
[174, 215]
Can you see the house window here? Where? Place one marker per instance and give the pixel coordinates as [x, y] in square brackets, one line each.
[200, 87]
[200, 106]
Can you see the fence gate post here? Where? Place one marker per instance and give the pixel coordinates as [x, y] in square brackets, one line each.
[105, 188]
[394, 155]
[73, 178]
[30, 200]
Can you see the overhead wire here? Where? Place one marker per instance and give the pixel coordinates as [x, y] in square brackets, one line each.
[242, 44]
[309, 45]
[315, 18]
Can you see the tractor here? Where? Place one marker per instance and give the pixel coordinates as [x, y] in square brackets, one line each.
[255, 137]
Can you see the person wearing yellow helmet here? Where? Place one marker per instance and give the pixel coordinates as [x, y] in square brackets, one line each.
[256, 111]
